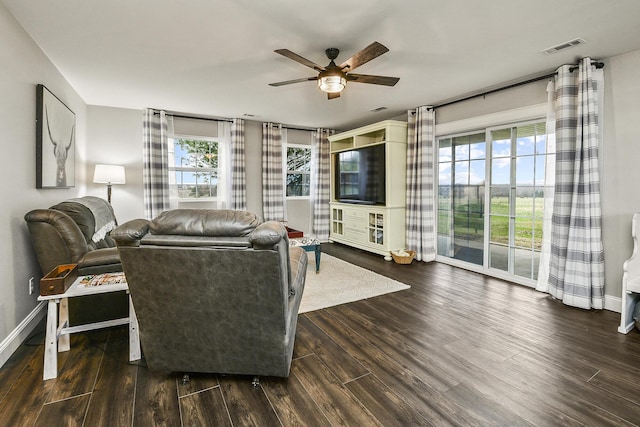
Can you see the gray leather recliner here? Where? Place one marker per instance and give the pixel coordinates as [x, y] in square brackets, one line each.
[68, 233]
[214, 291]
[76, 231]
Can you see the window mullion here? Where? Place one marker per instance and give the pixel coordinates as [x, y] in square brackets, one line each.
[487, 198]
[512, 202]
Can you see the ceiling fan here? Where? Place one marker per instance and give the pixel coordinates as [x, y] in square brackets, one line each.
[333, 78]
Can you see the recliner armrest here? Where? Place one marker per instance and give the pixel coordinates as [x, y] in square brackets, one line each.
[99, 257]
[267, 235]
[130, 233]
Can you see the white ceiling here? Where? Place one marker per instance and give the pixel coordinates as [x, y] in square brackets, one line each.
[216, 58]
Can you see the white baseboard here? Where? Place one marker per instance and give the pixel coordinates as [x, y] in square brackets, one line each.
[612, 303]
[21, 332]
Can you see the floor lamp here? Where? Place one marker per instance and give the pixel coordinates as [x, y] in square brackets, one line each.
[109, 174]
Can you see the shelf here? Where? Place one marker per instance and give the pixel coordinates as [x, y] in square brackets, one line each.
[342, 144]
[371, 138]
[385, 131]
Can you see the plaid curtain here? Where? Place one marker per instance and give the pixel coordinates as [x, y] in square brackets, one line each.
[321, 186]
[155, 163]
[272, 176]
[238, 174]
[576, 273]
[420, 217]
[549, 184]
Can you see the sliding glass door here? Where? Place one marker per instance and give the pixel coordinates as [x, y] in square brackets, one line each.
[510, 169]
[516, 213]
[461, 190]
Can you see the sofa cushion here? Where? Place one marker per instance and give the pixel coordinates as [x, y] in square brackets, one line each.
[204, 222]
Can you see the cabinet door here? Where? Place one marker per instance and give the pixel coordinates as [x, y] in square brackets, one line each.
[337, 222]
[376, 228]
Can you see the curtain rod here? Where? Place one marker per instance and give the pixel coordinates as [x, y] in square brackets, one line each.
[598, 65]
[184, 116]
[209, 119]
[299, 128]
[214, 119]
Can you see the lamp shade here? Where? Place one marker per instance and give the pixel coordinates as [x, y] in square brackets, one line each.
[109, 174]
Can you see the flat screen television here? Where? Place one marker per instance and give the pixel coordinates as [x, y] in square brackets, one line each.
[360, 175]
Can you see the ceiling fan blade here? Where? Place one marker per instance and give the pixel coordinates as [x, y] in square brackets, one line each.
[294, 56]
[288, 82]
[376, 80]
[370, 52]
[333, 95]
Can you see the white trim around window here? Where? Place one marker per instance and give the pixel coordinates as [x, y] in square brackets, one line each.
[472, 124]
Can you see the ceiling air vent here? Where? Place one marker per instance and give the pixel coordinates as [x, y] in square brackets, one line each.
[375, 110]
[563, 46]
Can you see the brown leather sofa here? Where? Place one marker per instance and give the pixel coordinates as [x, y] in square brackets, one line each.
[76, 231]
[214, 291]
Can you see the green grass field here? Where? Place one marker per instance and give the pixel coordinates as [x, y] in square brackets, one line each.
[469, 222]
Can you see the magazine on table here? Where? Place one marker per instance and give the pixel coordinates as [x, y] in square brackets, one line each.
[103, 279]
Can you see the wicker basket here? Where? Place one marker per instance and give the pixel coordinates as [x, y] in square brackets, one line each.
[403, 259]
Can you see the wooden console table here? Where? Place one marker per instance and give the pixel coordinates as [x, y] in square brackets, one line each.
[58, 329]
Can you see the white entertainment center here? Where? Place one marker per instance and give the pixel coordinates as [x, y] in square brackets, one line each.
[375, 226]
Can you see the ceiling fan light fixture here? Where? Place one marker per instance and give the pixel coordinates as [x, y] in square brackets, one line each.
[332, 83]
[333, 78]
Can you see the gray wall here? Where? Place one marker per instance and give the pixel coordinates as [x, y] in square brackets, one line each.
[620, 163]
[23, 67]
[114, 137]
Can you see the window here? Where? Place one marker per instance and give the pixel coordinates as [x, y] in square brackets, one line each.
[193, 167]
[507, 164]
[298, 179]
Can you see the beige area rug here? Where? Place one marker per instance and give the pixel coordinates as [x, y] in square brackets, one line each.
[340, 282]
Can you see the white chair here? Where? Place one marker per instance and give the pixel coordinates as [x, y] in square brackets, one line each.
[630, 281]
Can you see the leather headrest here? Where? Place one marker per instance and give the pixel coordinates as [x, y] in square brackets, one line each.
[205, 222]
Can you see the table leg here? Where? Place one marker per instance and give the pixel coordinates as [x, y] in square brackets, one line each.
[64, 343]
[50, 350]
[318, 252]
[134, 335]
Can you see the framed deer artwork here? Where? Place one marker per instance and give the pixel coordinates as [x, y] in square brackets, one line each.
[55, 141]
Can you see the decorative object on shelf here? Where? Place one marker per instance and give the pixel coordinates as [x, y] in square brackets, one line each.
[402, 256]
[109, 174]
[55, 141]
[333, 78]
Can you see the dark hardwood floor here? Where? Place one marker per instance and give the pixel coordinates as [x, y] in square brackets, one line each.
[458, 348]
